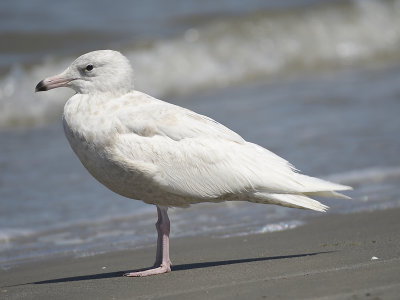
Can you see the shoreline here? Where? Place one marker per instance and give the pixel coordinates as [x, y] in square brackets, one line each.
[327, 258]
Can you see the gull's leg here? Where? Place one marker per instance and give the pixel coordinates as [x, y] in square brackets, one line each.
[163, 263]
[159, 239]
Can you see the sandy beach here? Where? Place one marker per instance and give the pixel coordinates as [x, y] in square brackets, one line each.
[328, 258]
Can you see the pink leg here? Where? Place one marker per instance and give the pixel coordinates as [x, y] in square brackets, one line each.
[159, 239]
[163, 263]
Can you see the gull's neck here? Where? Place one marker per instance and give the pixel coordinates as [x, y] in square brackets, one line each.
[106, 94]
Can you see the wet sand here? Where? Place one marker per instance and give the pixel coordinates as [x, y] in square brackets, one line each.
[328, 258]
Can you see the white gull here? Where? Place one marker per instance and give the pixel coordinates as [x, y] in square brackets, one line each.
[147, 149]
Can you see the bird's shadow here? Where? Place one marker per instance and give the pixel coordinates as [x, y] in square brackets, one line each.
[180, 267]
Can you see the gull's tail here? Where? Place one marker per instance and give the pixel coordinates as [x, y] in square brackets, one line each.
[312, 187]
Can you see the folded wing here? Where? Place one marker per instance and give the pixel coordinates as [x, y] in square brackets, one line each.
[194, 156]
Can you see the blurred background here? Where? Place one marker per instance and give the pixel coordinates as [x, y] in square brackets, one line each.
[315, 81]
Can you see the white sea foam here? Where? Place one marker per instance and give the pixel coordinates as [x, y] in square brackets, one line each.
[267, 228]
[6, 234]
[59, 232]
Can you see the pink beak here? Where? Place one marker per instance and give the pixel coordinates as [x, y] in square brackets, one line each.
[52, 83]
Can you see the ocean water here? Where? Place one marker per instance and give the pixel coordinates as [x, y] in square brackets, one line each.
[317, 82]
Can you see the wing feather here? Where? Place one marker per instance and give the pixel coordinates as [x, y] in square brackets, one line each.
[192, 155]
[164, 119]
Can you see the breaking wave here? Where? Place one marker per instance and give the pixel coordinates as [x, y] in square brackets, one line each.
[228, 51]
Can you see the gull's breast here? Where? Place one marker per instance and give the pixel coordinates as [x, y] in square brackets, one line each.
[92, 137]
[91, 132]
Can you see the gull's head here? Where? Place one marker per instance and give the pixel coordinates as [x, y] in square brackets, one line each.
[102, 71]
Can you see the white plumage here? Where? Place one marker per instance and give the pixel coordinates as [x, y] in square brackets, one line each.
[163, 154]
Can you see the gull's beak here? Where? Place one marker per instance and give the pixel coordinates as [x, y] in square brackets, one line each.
[52, 83]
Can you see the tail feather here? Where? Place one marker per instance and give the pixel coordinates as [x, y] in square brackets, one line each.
[328, 194]
[313, 184]
[290, 200]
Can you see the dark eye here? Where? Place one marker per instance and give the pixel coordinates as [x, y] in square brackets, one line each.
[89, 68]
